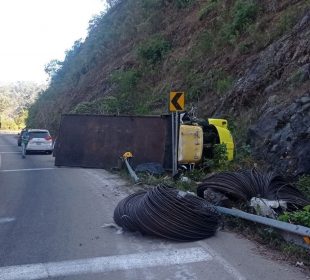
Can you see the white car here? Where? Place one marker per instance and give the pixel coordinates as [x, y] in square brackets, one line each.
[40, 140]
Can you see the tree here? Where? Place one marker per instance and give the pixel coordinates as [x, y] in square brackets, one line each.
[21, 118]
[4, 103]
[53, 67]
[112, 3]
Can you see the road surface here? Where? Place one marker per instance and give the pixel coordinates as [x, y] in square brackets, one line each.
[51, 226]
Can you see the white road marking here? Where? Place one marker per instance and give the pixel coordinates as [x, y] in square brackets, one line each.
[6, 220]
[105, 264]
[226, 265]
[7, 145]
[0, 161]
[10, 152]
[28, 169]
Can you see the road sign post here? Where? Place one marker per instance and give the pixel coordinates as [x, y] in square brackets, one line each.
[177, 101]
[176, 105]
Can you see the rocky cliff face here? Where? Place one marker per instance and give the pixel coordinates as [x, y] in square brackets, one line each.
[276, 83]
[281, 136]
[281, 70]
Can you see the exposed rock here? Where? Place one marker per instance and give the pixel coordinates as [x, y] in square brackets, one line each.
[281, 137]
[285, 62]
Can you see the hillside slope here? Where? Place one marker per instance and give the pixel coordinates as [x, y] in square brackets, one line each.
[238, 59]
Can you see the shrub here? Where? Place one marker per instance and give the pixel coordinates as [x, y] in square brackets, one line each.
[153, 50]
[219, 159]
[301, 217]
[220, 153]
[124, 98]
[244, 13]
[83, 108]
[227, 35]
[97, 107]
[125, 80]
[303, 184]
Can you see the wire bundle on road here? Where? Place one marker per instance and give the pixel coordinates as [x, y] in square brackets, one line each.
[245, 184]
[167, 213]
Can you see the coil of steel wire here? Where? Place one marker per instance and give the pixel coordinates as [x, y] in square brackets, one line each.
[245, 184]
[167, 213]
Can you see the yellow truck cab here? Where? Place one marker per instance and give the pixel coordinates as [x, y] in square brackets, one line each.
[225, 136]
[197, 139]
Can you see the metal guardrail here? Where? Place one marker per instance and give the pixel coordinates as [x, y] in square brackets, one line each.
[297, 229]
[297, 234]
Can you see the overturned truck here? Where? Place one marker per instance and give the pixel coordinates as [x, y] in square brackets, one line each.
[98, 141]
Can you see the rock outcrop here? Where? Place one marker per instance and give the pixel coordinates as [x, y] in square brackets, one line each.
[282, 65]
[281, 137]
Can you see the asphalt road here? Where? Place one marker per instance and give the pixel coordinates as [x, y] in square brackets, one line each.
[51, 226]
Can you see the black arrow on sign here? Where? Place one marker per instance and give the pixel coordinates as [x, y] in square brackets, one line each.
[175, 100]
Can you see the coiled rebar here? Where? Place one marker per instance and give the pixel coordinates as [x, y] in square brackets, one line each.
[245, 184]
[167, 213]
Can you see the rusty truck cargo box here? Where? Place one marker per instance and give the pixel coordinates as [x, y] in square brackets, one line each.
[98, 141]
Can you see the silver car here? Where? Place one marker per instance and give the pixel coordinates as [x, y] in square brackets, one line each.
[40, 140]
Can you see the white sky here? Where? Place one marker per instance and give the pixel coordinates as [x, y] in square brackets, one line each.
[33, 32]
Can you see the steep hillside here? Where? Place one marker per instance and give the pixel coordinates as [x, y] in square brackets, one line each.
[237, 59]
[15, 99]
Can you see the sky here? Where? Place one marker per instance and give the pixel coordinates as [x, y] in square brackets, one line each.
[33, 32]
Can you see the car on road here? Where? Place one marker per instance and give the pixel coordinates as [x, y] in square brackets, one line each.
[40, 140]
[19, 137]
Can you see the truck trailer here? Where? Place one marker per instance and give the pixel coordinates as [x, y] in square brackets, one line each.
[98, 141]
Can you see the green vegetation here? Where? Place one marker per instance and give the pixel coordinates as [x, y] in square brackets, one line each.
[128, 98]
[219, 160]
[243, 14]
[303, 185]
[153, 50]
[15, 99]
[301, 217]
[95, 107]
[125, 83]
